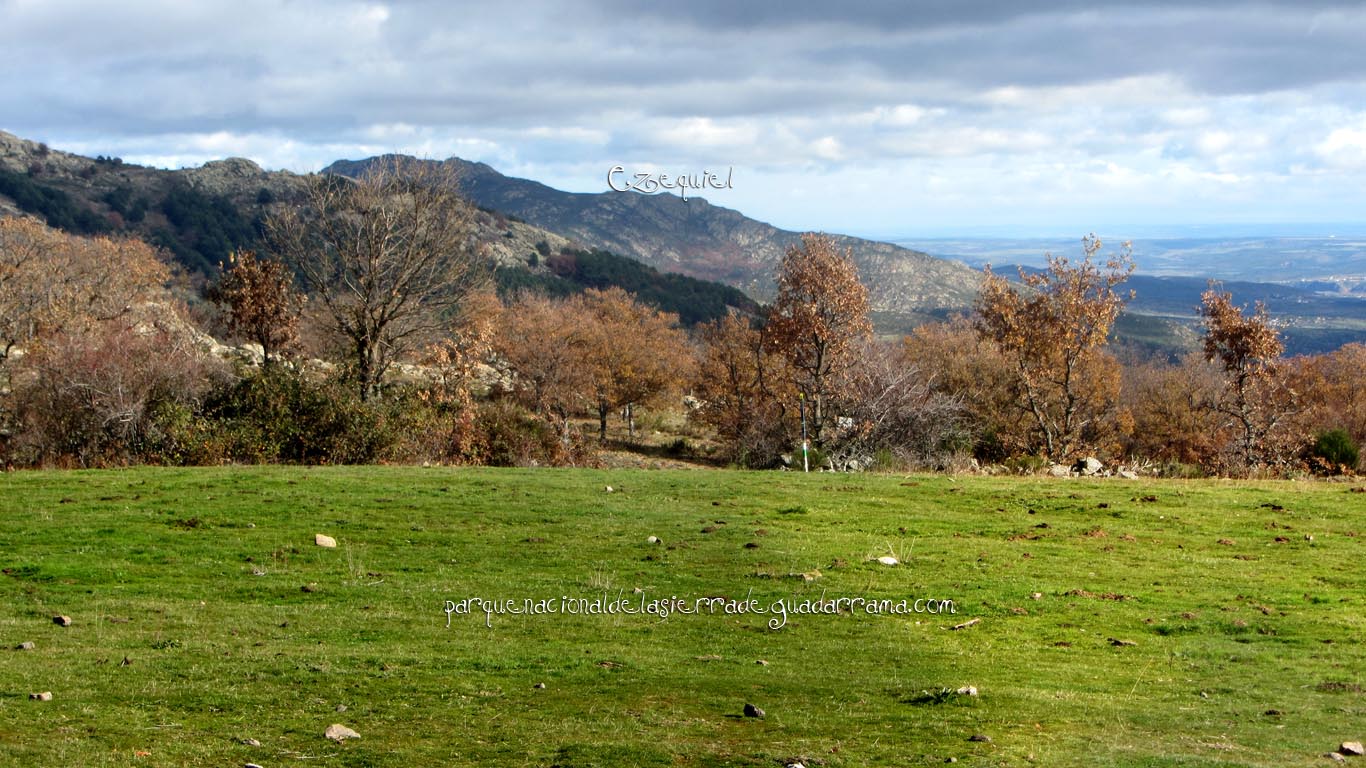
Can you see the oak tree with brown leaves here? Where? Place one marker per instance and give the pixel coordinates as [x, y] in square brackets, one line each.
[262, 303]
[1053, 331]
[741, 388]
[51, 281]
[635, 353]
[1249, 348]
[817, 321]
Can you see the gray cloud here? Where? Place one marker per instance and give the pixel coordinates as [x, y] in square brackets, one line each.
[983, 103]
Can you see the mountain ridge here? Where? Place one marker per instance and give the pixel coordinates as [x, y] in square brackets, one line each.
[696, 238]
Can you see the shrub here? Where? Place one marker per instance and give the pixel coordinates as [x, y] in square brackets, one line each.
[1334, 452]
[508, 435]
[112, 396]
[279, 415]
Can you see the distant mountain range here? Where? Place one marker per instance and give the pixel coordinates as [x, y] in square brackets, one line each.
[694, 237]
[202, 214]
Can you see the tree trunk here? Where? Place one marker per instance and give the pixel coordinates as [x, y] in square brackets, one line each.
[603, 409]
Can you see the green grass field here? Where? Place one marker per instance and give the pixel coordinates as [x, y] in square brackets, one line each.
[1118, 623]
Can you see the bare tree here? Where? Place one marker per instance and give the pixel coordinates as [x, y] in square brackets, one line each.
[1053, 332]
[819, 315]
[389, 258]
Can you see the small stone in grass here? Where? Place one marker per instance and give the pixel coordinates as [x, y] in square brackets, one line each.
[44, 696]
[1352, 748]
[967, 690]
[340, 708]
[24, 646]
[251, 765]
[753, 711]
[250, 742]
[339, 732]
[539, 686]
[309, 588]
[761, 662]
[323, 540]
[888, 560]
[652, 540]
[608, 489]
[62, 621]
[980, 737]
[1122, 643]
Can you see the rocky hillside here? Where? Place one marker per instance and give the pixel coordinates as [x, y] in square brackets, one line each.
[201, 214]
[707, 241]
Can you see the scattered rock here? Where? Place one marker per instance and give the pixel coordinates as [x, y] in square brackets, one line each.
[753, 711]
[888, 560]
[25, 646]
[710, 529]
[62, 621]
[539, 686]
[751, 545]
[980, 738]
[1227, 542]
[1128, 474]
[1059, 470]
[1352, 748]
[1088, 466]
[950, 759]
[651, 539]
[608, 489]
[1122, 643]
[309, 588]
[637, 591]
[1273, 713]
[1335, 757]
[340, 708]
[323, 540]
[761, 662]
[250, 742]
[251, 765]
[44, 696]
[1036, 596]
[339, 732]
[966, 624]
[795, 765]
[967, 690]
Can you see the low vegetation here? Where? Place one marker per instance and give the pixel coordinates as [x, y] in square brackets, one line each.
[1104, 623]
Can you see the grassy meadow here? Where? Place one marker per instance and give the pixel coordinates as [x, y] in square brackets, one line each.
[1117, 623]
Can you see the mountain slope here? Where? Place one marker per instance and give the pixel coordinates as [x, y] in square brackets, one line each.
[696, 238]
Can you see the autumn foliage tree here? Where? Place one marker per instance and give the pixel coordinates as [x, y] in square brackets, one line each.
[389, 258]
[52, 282]
[741, 389]
[819, 317]
[1053, 330]
[262, 303]
[634, 352]
[1248, 348]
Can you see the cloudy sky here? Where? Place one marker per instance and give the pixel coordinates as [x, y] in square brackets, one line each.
[880, 118]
